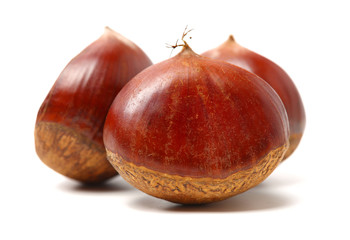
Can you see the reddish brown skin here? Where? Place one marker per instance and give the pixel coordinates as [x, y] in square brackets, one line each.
[194, 116]
[277, 78]
[85, 89]
[69, 126]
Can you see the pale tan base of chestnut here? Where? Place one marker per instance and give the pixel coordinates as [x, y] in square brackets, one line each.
[71, 154]
[191, 190]
[294, 141]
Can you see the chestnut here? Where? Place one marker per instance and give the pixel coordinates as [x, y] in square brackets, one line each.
[275, 76]
[195, 130]
[69, 124]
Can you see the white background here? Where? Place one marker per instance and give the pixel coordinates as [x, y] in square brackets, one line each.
[305, 198]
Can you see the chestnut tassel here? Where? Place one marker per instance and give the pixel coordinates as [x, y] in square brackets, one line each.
[69, 125]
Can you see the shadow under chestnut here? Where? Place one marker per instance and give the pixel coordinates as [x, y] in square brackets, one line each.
[116, 184]
[252, 200]
[265, 196]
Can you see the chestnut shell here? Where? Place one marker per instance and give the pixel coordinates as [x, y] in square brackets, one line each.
[193, 120]
[275, 76]
[69, 125]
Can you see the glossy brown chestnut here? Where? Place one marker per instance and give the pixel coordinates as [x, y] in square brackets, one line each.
[69, 125]
[277, 78]
[195, 130]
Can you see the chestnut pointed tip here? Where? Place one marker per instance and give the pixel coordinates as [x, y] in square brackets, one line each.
[186, 46]
[109, 32]
[230, 41]
[231, 38]
[187, 50]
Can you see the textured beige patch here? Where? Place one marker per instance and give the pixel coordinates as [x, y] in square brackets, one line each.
[294, 141]
[190, 190]
[71, 154]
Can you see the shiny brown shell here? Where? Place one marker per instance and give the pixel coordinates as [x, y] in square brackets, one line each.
[275, 76]
[69, 125]
[195, 130]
